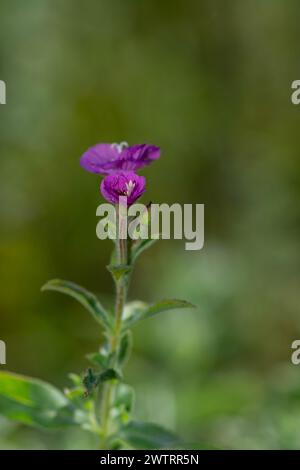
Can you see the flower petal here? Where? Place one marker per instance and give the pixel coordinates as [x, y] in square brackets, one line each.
[101, 158]
[107, 158]
[138, 156]
[123, 184]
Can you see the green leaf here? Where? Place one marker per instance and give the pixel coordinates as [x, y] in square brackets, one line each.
[125, 348]
[139, 246]
[84, 408]
[98, 359]
[75, 379]
[148, 436]
[124, 397]
[140, 311]
[119, 271]
[123, 403]
[133, 312]
[86, 298]
[75, 394]
[34, 402]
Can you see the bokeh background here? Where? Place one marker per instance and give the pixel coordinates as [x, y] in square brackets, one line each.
[210, 83]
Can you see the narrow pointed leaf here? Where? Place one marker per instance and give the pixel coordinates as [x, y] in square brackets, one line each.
[83, 296]
[125, 348]
[141, 311]
[132, 312]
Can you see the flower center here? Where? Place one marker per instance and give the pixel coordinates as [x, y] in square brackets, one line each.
[129, 187]
[120, 147]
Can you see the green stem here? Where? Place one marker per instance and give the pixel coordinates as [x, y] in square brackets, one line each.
[109, 387]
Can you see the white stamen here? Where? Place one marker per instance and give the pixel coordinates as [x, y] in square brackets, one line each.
[120, 147]
[129, 187]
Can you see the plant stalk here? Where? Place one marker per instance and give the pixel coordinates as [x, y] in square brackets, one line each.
[121, 293]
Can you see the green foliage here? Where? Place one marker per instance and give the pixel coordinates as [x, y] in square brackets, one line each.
[75, 379]
[86, 298]
[34, 402]
[139, 435]
[125, 348]
[99, 359]
[219, 106]
[139, 311]
[148, 436]
[123, 404]
[124, 397]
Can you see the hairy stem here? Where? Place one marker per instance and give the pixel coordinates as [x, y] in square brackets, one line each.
[121, 292]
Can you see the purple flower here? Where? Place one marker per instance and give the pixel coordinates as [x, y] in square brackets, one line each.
[122, 184]
[101, 158]
[107, 158]
[138, 156]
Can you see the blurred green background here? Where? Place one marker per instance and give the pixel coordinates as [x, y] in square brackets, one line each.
[210, 83]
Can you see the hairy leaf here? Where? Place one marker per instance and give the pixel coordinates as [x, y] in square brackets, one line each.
[86, 298]
[140, 311]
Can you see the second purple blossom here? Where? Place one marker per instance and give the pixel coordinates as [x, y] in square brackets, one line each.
[123, 186]
[107, 158]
